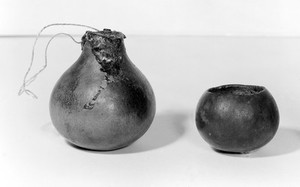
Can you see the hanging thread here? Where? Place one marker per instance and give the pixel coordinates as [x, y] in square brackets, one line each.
[27, 82]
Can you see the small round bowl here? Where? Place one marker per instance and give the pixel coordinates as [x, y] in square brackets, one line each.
[237, 118]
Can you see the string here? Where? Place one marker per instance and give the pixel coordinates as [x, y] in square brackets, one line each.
[27, 82]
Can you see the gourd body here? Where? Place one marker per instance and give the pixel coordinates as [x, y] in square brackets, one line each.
[102, 102]
[237, 118]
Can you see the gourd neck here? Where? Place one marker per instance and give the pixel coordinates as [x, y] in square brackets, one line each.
[107, 47]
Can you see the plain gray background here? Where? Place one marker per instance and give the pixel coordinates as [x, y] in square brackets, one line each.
[162, 17]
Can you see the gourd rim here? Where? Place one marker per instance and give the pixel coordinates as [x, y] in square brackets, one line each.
[237, 89]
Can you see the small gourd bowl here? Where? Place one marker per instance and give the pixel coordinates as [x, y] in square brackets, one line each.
[237, 118]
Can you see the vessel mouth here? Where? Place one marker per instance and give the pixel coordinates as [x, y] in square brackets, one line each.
[103, 39]
[106, 33]
[238, 89]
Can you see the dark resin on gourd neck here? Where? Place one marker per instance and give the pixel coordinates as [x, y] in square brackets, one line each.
[108, 48]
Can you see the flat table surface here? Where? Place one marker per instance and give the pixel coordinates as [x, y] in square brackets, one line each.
[171, 153]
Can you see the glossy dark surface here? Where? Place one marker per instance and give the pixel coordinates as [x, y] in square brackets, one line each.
[237, 118]
[100, 111]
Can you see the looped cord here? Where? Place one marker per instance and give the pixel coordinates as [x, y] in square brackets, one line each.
[28, 81]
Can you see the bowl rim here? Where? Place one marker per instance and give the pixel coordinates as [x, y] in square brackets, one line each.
[237, 89]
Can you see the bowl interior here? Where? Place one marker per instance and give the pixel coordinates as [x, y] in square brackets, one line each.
[237, 89]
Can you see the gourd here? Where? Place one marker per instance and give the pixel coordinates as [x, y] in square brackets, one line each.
[237, 118]
[103, 101]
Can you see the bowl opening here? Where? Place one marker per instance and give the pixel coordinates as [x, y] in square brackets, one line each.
[238, 89]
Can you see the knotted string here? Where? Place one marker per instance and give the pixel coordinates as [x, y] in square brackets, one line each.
[28, 81]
